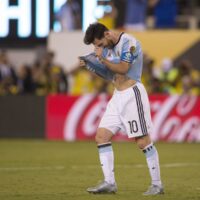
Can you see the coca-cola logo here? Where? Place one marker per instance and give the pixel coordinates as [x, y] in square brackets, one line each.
[85, 114]
[175, 118]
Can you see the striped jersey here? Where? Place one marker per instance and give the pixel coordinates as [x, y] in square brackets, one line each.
[127, 49]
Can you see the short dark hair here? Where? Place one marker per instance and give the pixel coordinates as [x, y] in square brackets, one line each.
[95, 30]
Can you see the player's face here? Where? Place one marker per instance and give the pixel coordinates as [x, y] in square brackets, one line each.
[105, 42]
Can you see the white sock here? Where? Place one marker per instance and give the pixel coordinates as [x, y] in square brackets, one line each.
[107, 162]
[153, 164]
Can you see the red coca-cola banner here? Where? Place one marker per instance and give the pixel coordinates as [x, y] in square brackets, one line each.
[175, 118]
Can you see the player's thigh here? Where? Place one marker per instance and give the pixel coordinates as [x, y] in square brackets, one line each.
[110, 123]
[103, 135]
[136, 113]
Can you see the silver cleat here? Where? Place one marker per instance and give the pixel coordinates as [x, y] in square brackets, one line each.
[103, 188]
[154, 190]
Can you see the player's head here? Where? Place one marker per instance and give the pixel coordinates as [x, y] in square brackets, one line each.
[99, 35]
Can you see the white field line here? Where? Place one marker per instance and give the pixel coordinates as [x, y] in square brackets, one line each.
[168, 165]
[180, 165]
[31, 168]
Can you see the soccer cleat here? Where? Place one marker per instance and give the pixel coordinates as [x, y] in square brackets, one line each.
[154, 190]
[103, 188]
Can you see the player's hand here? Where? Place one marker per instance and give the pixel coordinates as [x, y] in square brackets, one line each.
[82, 63]
[98, 51]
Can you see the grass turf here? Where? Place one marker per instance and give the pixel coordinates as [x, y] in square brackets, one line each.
[49, 170]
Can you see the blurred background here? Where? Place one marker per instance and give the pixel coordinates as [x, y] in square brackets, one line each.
[43, 92]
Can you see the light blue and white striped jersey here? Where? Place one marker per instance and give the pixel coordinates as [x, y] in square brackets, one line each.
[127, 49]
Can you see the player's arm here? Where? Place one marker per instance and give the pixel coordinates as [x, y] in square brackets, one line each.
[121, 68]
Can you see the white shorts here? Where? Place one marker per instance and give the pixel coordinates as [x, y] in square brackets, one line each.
[128, 110]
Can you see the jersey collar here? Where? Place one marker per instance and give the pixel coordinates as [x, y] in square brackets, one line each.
[119, 38]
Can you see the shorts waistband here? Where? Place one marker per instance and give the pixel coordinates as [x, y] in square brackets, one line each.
[127, 89]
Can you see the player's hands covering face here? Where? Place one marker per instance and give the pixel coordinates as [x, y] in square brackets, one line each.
[98, 51]
[82, 63]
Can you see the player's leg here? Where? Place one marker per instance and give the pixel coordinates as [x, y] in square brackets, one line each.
[135, 114]
[152, 158]
[108, 126]
[106, 156]
[144, 141]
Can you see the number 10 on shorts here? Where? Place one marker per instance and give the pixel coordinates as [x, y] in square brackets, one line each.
[133, 126]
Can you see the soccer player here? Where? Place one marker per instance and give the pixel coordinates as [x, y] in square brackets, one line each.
[128, 109]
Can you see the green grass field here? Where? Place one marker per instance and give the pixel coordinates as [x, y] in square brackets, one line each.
[47, 170]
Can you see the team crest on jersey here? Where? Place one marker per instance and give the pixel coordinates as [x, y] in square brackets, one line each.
[132, 49]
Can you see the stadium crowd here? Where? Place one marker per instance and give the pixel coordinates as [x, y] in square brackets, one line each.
[44, 77]
[137, 15]
[41, 78]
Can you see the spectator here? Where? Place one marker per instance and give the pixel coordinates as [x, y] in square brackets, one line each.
[40, 75]
[25, 80]
[181, 79]
[48, 76]
[110, 14]
[165, 12]
[147, 76]
[165, 76]
[120, 18]
[187, 86]
[135, 15]
[81, 82]
[8, 78]
[69, 16]
[57, 80]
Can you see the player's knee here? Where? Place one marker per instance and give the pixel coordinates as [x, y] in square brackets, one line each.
[98, 139]
[141, 145]
[102, 136]
[142, 142]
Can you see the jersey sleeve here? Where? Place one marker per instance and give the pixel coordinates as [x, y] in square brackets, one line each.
[128, 53]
